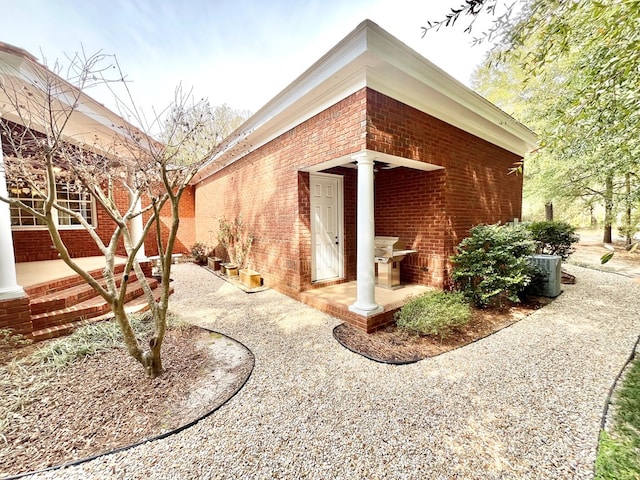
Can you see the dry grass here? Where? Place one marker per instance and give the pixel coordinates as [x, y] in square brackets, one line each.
[46, 388]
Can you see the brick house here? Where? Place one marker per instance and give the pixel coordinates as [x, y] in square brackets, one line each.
[22, 240]
[377, 141]
[372, 140]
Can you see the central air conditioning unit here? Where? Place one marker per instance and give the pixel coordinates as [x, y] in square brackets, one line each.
[551, 267]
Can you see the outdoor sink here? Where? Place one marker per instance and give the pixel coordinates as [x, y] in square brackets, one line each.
[398, 255]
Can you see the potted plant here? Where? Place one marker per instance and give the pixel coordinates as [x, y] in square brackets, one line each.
[250, 278]
[236, 242]
[230, 269]
[200, 251]
[214, 263]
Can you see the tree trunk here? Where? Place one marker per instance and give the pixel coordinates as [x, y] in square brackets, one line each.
[608, 209]
[594, 220]
[548, 212]
[149, 359]
[128, 334]
[153, 360]
[627, 217]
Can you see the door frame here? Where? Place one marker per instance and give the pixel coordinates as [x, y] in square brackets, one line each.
[340, 221]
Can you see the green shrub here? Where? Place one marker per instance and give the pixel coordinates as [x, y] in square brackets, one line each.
[492, 264]
[553, 238]
[435, 313]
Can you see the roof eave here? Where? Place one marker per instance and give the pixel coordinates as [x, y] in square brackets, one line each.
[369, 56]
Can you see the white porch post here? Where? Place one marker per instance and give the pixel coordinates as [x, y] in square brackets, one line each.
[9, 287]
[136, 228]
[365, 303]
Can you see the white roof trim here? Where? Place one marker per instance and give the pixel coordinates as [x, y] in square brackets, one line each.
[91, 123]
[370, 56]
[392, 161]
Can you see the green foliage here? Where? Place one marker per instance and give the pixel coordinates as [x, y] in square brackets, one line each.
[436, 313]
[563, 69]
[200, 251]
[553, 238]
[619, 449]
[492, 264]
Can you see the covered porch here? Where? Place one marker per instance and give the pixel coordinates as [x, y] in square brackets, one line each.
[336, 300]
[351, 203]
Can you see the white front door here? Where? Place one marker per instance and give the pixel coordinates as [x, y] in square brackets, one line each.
[326, 226]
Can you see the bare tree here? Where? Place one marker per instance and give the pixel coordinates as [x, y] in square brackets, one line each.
[54, 135]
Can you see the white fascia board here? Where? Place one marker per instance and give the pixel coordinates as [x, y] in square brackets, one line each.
[371, 57]
[90, 120]
[412, 79]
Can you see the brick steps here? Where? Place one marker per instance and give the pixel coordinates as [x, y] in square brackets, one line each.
[91, 307]
[68, 297]
[136, 305]
[63, 283]
[61, 305]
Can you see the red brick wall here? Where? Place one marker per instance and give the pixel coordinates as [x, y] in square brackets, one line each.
[474, 187]
[34, 245]
[430, 211]
[264, 187]
[410, 204]
[186, 230]
[16, 315]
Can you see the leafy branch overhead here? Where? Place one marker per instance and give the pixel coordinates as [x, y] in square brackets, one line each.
[568, 70]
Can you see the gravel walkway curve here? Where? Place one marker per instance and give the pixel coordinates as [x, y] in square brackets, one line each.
[523, 403]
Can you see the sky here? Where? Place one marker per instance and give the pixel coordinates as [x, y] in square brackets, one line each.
[238, 52]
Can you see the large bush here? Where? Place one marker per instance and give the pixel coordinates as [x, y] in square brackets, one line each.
[553, 238]
[434, 313]
[492, 264]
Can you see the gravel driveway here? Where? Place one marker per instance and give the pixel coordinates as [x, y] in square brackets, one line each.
[525, 402]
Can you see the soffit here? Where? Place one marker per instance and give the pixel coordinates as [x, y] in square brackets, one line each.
[383, 161]
[91, 124]
[371, 57]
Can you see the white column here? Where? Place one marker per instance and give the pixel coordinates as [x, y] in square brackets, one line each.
[365, 303]
[9, 287]
[136, 228]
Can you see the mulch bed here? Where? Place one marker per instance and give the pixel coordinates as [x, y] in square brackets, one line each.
[104, 402]
[391, 345]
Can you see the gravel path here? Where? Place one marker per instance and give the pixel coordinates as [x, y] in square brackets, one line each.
[523, 403]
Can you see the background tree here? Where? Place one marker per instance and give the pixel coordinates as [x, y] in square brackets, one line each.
[216, 124]
[44, 149]
[578, 62]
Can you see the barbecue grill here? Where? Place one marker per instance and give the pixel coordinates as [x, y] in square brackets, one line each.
[389, 252]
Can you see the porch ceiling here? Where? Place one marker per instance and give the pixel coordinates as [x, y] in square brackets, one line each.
[389, 161]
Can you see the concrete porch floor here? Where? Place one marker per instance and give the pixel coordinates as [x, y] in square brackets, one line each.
[345, 294]
[33, 273]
